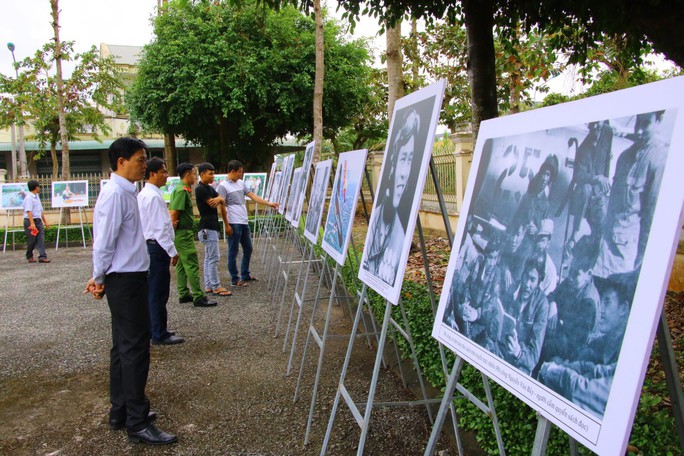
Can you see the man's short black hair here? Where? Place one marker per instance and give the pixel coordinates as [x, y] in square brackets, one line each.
[154, 165]
[235, 165]
[183, 169]
[204, 167]
[125, 148]
[537, 262]
[32, 185]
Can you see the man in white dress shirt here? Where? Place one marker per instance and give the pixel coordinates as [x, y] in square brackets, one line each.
[34, 224]
[158, 232]
[120, 265]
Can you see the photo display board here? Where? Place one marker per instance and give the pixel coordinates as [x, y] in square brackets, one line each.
[255, 183]
[292, 197]
[269, 186]
[70, 194]
[319, 191]
[274, 183]
[171, 183]
[103, 182]
[12, 195]
[286, 179]
[345, 194]
[400, 189]
[303, 181]
[563, 252]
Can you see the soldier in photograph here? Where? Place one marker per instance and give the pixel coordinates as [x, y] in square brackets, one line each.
[633, 197]
[524, 327]
[587, 380]
[389, 233]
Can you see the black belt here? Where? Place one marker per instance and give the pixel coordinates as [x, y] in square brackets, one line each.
[152, 241]
[127, 274]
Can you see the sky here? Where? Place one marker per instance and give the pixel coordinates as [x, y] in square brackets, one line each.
[27, 24]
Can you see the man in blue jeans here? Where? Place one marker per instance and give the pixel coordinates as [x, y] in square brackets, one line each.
[208, 201]
[233, 190]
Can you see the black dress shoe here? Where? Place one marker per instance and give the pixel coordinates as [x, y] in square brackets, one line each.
[117, 425]
[171, 340]
[203, 302]
[184, 299]
[152, 436]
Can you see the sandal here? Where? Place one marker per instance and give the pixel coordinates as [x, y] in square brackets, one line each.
[222, 292]
[208, 291]
[239, 283]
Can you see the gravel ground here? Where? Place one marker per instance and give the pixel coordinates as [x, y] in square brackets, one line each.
[224, 391]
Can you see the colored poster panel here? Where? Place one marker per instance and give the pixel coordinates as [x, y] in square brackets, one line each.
[292, 197]
[70, 194]
[563, 253]
[319, 191]
[345, 193]
[255, 183]
[167, 189]
[304, 180]
[218, 178]
[288, 167]
[399, 190]
[103, 182]
[12, 195]
[269, 186]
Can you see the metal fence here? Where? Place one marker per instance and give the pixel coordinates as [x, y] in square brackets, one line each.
[445, 164]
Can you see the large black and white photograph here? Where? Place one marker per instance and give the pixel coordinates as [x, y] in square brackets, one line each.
[561, 232]
[407, 154]
[292, 197]
[269, 185]
[304, 180]
[319, 191]
[288, 167]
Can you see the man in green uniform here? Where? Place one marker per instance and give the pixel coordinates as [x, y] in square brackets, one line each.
[187, 267]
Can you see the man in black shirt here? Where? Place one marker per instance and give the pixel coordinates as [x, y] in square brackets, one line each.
[208, 201]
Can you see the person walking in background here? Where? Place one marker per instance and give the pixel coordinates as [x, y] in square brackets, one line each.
[233, 191]
[187, 268]
[158, 232]
[34, 224]
[120, 265]
[208, 201]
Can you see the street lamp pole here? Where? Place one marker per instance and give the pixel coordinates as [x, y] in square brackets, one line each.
[22, 150]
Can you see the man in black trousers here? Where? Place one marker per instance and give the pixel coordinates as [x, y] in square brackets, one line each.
[120, 265]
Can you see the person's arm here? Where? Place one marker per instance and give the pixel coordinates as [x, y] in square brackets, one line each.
[162, 228]
[106, 232]
[260, 200]
[224, 216]
[216, 201]
[176, 206]
[42, 216]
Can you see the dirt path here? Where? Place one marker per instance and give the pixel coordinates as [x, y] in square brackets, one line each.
[223, 392]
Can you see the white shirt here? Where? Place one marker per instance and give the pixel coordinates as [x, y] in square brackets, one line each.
[32, 203]
[155, 219]
[234, 193]
[118, 244]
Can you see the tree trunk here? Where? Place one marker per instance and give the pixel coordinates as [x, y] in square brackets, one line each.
[66, 169]
[170, 153]
[318, 83]
[415, 60]
[479, 22]
[55, 163]
[395, 76]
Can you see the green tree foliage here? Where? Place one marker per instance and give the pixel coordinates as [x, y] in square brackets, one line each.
[235, 78]
[522, 62]
[93, 86]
